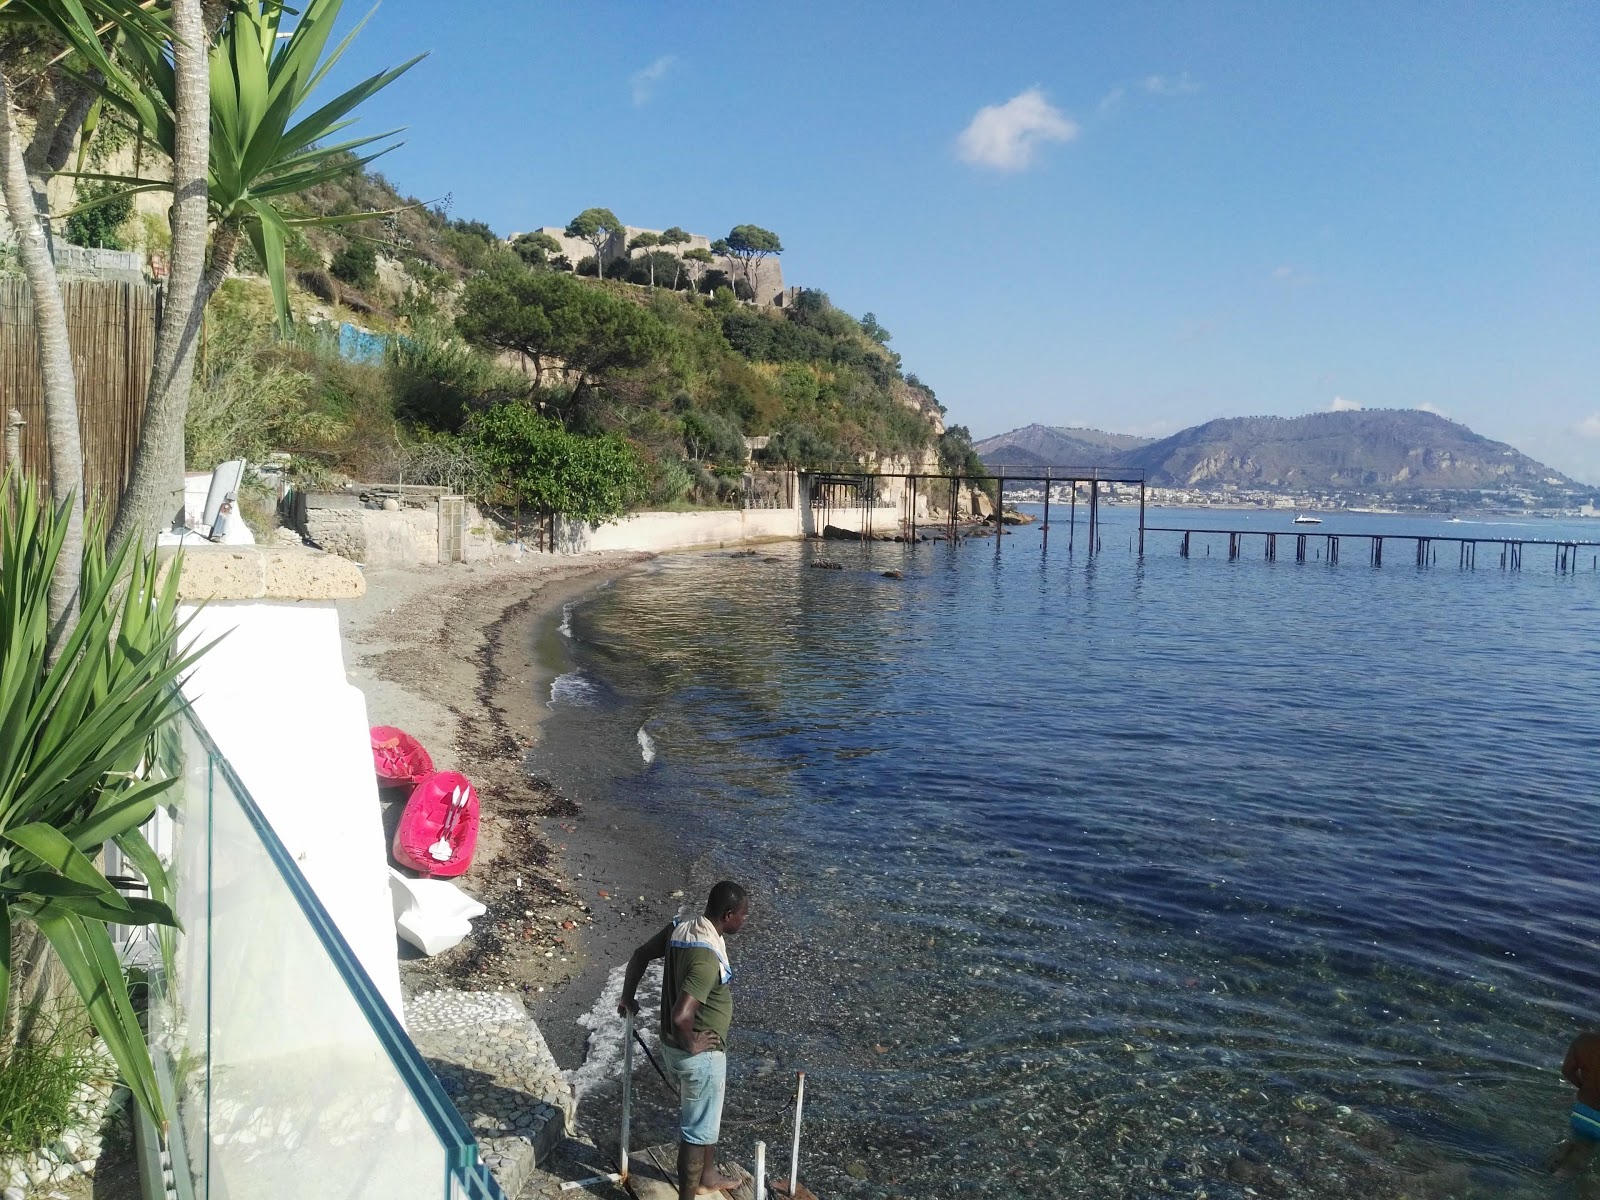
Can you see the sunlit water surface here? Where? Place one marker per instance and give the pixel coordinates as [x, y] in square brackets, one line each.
[1106, 877]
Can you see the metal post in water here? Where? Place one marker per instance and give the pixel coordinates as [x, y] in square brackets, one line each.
[761, 1171]
[1072, 521]
[1141, 518]
[627, 1093]
[1045, 532]
[794, 1155]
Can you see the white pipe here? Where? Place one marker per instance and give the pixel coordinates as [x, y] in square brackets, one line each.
[627, 1091]
[761, 1171]
[794, 1157]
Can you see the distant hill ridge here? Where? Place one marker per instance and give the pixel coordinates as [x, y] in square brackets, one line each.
[1358, 450]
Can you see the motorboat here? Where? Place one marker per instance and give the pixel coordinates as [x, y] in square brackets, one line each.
[1305, 520]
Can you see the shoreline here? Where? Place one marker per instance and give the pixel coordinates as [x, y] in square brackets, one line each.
[455, 655]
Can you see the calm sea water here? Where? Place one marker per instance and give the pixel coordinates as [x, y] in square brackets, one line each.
[1116, 877]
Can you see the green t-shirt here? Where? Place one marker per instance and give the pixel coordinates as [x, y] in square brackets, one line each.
[696, 971]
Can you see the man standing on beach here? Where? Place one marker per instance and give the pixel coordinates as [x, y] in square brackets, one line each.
[696, 1011]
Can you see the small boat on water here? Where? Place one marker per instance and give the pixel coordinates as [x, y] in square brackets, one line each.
[438, 830]
[397, 757]
[1305, 520]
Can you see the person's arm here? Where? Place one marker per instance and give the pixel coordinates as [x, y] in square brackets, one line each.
[655, 948]
[683, 1014]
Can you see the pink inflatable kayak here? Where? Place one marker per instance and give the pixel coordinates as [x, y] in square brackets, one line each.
[398, 757]
[439, 828]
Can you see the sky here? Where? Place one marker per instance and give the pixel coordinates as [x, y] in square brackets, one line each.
[1134, 217]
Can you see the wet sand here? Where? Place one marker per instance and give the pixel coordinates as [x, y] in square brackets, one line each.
[449, 654]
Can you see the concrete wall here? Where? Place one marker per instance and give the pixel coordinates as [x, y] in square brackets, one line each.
[661, 531]
[680, 531]
[379, 539]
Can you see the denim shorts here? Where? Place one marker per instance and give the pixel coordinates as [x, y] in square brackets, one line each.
[702, 1081]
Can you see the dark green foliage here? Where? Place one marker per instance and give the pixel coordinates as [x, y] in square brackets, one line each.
[870, 327]
[535, 249]
[356, 264]
[544, 315]
[530, 461]
[595, 226]
[956, 455]
[799, 445]
[96, 226]
[439, 381]
[713, 438]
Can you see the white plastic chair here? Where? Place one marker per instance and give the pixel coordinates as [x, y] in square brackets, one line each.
[431, 914]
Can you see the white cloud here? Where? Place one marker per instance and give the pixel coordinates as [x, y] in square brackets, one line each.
[1170, 85]
[1340, 404]
[644, 81]
[1006, 136]
[1589, 427]
[1290, 276]
[1112, 100]
[1429, 407]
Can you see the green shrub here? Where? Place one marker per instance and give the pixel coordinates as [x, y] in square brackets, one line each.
[99, 226]
[356, 264]
[532, 462]
[40, 1084]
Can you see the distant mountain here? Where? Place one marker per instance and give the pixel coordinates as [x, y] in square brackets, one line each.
[1055, 445]
[1371, 449]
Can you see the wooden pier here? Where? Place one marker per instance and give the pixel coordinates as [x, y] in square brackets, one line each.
[860, 489]
[1567, 555]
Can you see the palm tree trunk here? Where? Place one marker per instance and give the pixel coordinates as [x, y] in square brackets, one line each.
[55, 364]
[155, 489]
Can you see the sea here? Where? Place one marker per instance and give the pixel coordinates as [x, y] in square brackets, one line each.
[1106, 875]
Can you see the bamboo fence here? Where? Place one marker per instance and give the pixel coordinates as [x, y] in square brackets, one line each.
[112, 328]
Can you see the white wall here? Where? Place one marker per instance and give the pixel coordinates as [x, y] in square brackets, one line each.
[273, 696]
[657, 531]
[661, 531]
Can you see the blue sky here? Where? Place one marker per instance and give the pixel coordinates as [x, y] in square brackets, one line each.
[1135, 216]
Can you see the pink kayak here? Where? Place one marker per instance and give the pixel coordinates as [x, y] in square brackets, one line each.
[439, 828]
[397, 756]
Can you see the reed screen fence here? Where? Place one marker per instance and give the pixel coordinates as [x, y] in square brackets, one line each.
[112, 328]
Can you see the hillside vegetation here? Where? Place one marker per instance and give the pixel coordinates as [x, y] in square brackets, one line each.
[667, 381]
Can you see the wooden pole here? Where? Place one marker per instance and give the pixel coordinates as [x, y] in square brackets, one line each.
[1072, 522]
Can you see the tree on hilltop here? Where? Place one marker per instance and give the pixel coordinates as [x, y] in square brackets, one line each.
[702, 260]
[646, 241]
[670, 238]
[537, 249]
[750, 244]
[595, 226]
[870, 327]
[548, 316]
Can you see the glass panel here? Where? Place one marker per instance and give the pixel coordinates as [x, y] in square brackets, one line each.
[285, 1071]
[300, 1086]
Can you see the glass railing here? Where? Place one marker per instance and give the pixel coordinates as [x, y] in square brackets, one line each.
[285, 1072]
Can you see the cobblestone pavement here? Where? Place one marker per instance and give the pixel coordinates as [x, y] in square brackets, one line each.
[495, 1067]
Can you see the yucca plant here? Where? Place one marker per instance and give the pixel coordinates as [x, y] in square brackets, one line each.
[75, 741]
[263, 153]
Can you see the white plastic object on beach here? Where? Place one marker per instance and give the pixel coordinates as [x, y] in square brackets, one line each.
[432, 914]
